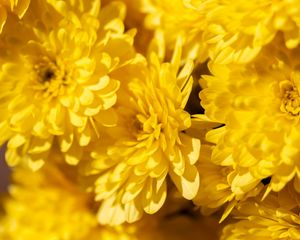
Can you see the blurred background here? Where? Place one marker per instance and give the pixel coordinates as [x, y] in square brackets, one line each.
[4, 172]
[182, 222]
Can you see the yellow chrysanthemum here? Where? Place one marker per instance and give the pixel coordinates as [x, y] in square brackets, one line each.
[177, 18]
[18, 7]
[215, 188]
[56, 82]
[259, 105]
[275, 218]
[45, 205]
[237, 30]
[150, 143]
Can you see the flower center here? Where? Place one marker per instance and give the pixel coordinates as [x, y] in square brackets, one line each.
[290, 98]
[51, 79]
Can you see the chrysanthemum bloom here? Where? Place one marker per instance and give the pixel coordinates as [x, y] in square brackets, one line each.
[45, 205]
[150, 143]
[215, 188]
[179, 19]
[259, 105]
[17, 7]
[275, 218]
[56, 84]
[237, 30]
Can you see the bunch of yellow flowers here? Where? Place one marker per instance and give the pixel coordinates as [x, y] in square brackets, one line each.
[150, 119]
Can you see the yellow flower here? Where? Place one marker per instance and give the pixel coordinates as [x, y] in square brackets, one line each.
[259, 105]
[150, 143]
[275, 218]
[45, 205]
[17, 7]
[237, 30]
[215, 188]
[177, 18]
[56, 81]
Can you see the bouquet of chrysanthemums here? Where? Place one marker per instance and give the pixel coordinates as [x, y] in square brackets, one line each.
[150, 119]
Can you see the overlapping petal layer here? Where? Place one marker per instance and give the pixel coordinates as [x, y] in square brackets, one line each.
[57, 90]
[237, 30]
[150, 144]
[179, 18]
[258, 103]
[275, 218]
[18, 8]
